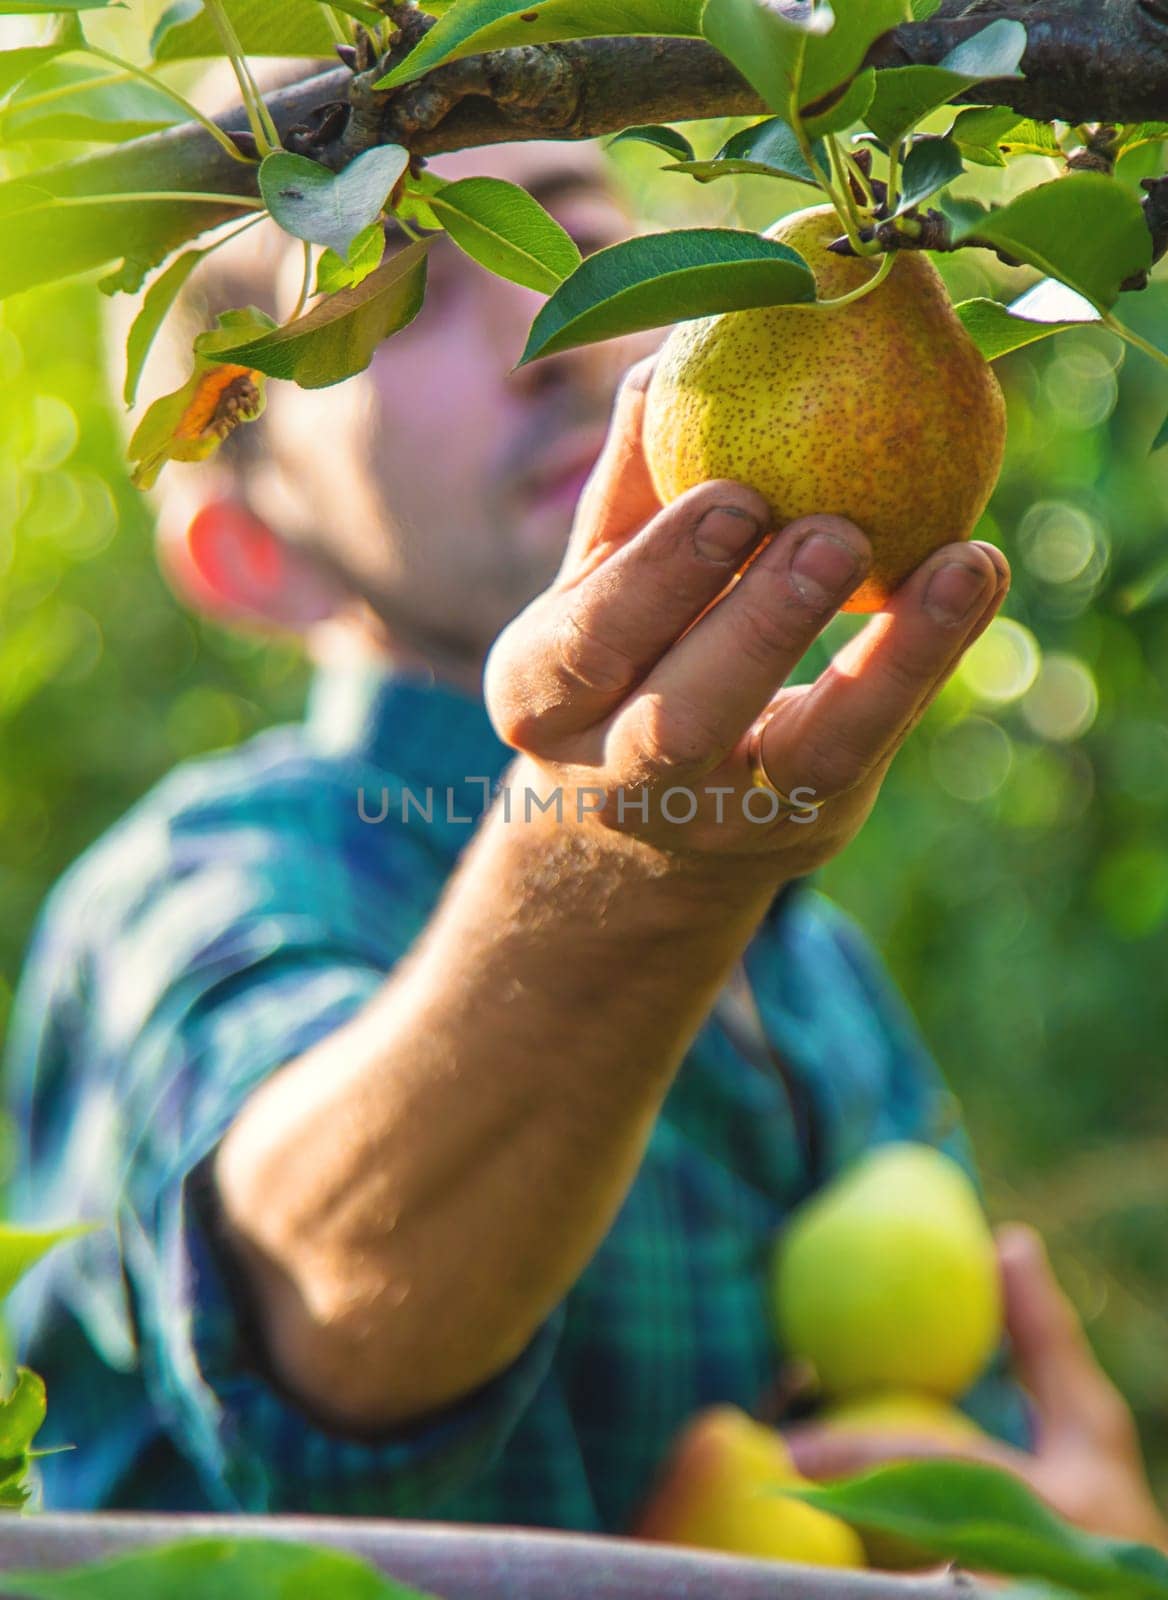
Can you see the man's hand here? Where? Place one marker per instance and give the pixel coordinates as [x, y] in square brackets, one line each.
[626, 673]
[1086, 1463]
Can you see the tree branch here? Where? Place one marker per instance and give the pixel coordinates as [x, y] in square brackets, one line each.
[1087, 60]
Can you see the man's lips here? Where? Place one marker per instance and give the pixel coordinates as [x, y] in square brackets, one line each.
[561, 472]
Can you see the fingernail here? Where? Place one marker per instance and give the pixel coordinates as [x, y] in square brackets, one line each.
[823, 568]
[725, 532]
[953, 591]
[995, 556]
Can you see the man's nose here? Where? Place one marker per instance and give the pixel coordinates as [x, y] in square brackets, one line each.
[508, 310]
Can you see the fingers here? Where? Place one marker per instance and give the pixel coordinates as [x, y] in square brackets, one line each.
[823, 1451]
[1054, 1360]
[571, 659]
[694, 707]
[849, 724]
[619, 496]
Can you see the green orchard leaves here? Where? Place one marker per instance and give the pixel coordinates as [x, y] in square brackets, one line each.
[290, 28]
[929, 166]
[996, 330]
[337, 338]
[22, 1248]
[504, 229]
[987, 1520]
[906, 94]
[21, 1417]
[48, 8]
[767, 149]
[74, 100]
[1086, 230]
[768, 46]
[330, 208]
[658, 279]
[796, 58]
[474, 26]
[159, 298]
[364, 256]
[667, 139]
[215, 1569]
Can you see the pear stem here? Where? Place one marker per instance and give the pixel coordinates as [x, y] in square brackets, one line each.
[858, 293]
[892, 199]
[841, 176]
[856, 171]
[305, 283]
[1134, 339]
[849, 225]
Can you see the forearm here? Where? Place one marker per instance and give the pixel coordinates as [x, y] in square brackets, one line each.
[415, 1195]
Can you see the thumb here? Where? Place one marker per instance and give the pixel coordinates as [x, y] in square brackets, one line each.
[619, 497]
[1053, 1357]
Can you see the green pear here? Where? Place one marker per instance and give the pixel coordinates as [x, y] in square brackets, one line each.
[883, 411]
[888, 1278]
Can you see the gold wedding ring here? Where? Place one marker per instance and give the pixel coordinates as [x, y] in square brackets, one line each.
[760, 778]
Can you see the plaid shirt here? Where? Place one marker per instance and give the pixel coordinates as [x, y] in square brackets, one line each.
[240, 913]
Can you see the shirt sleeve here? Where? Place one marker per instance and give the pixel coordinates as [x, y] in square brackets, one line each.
[202, 983]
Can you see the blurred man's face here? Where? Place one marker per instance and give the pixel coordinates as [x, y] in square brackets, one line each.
[448, 481]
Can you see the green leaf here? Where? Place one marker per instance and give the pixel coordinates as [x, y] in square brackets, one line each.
[834, 58]
[158, 300]
[851, 106]
[766, 45]
[103, 113]
[906, 94]
[59, 237]
[767, 149]
[922, 10]
[191, 423]
[977, 130]
[15, 65]
[661, 278]
[929, 166]
[334, 272]
[1136, 134]
[1158, 443]
[667, 139]
[474, 26]
[22, 1414]
[291, 28]
[46, 8]
[1086, 230]
[337, 338]
[997, 329]
[22, 1248]
[330, 208]
[215, 1569]
[504, 229]
[984, 1519]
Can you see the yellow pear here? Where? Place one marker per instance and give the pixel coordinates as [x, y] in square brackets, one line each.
[724, 1493]
[882, 411]
[903, 1413]
[888, 1278]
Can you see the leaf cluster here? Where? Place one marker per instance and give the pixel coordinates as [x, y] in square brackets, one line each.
[878, 146]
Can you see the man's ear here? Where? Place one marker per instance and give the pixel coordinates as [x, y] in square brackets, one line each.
[226, 562]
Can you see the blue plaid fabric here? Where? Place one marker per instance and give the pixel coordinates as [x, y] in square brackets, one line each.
[248, 906]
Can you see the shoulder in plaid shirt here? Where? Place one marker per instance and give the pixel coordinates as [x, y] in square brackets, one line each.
[240, 913]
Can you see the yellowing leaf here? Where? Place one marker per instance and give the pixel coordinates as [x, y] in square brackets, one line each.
[191, 423]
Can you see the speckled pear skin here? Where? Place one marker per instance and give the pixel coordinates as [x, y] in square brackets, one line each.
[884, 411]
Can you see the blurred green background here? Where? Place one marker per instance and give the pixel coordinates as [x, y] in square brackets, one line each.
[1015, 873]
